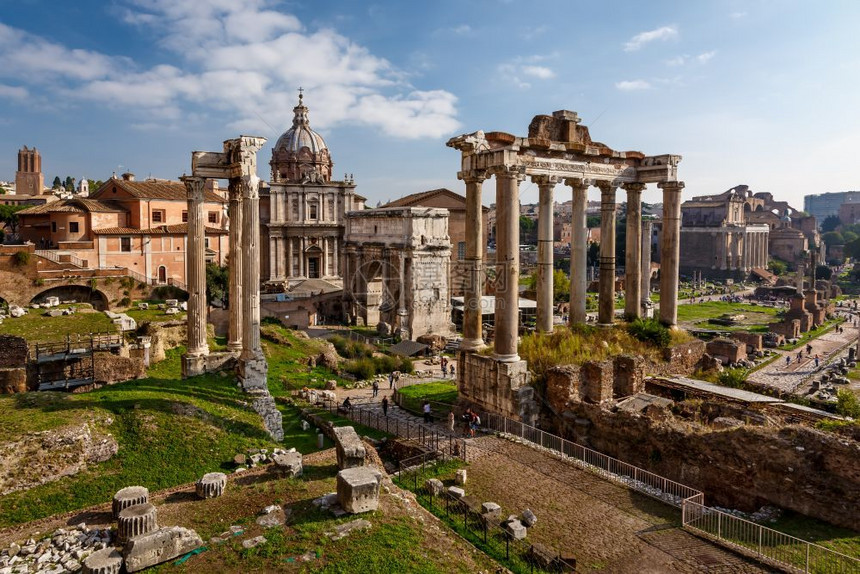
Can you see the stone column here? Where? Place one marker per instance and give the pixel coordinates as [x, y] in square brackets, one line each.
[252, 363]
[578, 249]
[606, 302]
[194, 360]
[633, 255]
[234, 335]
[670, 252]
[473, 337]
[289, 272]
[507, 263]
[645, 271]
[545, 300]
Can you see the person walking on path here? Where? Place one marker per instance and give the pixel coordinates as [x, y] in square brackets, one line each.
[426, 411]
[390, 380]
[385, 406]
[375, 388]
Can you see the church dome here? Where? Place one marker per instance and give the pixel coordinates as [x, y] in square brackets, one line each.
[301, 154]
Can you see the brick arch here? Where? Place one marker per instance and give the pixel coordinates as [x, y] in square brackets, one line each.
[79, 293]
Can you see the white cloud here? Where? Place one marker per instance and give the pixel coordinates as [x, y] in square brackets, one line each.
[13, 92]
[684, 59]
[541, 72]
[737, 15]
[705, 57]
[515, 69]
[633, 85]
[639, 40]
[532, 33]
[677, 61]
[239, 60]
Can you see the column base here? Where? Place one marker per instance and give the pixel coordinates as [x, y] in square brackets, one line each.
[193, 364]
[472, 344]
[512, 358]
[253, 372]
[234, 348]
[605, 325]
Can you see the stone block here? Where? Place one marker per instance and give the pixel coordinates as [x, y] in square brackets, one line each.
[491, 510]
[629, 375]
[135, 521]
[358, 489]
[211, 485]
[288, 464]
[159, 546]
[434, 486]
[597, 381]
[105, 561]
[460, 477]
[528, 518]
[350, 449]
[515, 529]
[129, 496]
[456, 492]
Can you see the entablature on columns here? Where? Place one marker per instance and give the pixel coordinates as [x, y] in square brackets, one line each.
[239, 159]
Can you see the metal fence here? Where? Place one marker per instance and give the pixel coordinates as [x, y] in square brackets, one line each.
[612, 469]
[465, 516]
[764, 543]
[433, 439]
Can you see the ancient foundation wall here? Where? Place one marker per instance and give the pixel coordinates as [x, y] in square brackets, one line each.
[503, 388]
[809, 471]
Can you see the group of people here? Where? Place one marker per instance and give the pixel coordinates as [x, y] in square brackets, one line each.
[445, 366]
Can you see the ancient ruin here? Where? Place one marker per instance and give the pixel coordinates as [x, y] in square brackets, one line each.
[557, 149]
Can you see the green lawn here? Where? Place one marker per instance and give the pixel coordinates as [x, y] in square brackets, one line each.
[170, 431]
[441, 394]
[38, 328]
[153, 314]
[287, 355]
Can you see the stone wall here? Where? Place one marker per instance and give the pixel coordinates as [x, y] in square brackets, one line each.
[753, 341]
[13, 352]
[726, 350]
[794, 467]
[497, 387]
[110, 368]
[165, 336]
[679, 359]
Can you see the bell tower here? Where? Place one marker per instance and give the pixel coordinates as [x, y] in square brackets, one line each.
[29, 179]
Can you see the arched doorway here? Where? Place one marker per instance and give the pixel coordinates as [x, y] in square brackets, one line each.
[313, 259]
[162, 275]
[78, 293]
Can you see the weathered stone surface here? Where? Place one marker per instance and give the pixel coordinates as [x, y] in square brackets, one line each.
[159, 546]
[136, 520]
[211, 485]
[252, 542]
[456, 491]
[358, 489]
[343, 530]
[272, 516]
[528, 518]
[105, 561]
[434, 486]
[460, 477]
[491, 510]
[288, 464]
[350, 449]
[264, 404]
[129, 496]
[516, 529]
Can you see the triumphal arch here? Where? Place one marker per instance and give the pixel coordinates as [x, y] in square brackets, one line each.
[557, 150]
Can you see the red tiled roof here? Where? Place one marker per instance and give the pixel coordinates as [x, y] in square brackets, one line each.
[156, 189]
[181, 229]
[76, 205]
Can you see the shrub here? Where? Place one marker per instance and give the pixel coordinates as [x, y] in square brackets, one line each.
[38, 282]
[124, 302]
[734, 378]
[22, 258]
[847, 404]
[650, 331]
[361, 368]
[350, 349]
[169, 292]
[94, 284]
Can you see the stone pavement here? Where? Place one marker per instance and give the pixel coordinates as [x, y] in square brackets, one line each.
[792, 377]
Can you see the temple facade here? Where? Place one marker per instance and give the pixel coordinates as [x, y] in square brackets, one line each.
[303, 210]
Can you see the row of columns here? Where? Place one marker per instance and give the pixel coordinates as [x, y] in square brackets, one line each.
[637, 267]
[283, 255]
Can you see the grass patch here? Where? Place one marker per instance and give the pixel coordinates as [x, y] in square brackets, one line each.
[812, 334]
[835, 538]
[699, 313]
[153, 314]
[287, 355]
[441, 394]
[39, 328]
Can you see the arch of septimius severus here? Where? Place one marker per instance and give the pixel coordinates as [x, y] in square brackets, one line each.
[557, 150]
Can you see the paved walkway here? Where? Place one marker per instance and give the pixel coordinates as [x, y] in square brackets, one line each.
[793, 376]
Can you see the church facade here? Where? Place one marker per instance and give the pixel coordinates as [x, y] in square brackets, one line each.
[303, 210]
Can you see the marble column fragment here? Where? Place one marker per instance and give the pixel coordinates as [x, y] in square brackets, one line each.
[194, 360]
[670, 252]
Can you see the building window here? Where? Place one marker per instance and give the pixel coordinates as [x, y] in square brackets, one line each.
[184, 217]
[53, 227]
[206, 242]
[125, 244]
[313, 211]
[461, 250]
[158, 216]
[213, 217]
[73, 227]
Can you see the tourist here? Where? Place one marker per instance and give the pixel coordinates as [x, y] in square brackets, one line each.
[390, 380]
[347, 404]
[375, 388]
[808, 349]
[451, 421]
[385, 406]
[452, 372]
[816, 360]
[787, 360]
[426, 411]
[444, 370]
[473, 423]
[467, 421]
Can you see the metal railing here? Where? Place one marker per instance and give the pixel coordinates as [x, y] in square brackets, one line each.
[433, 439]
[765, 544]
[177, 283]
[465, 516]
[612, 469]
[57, 257]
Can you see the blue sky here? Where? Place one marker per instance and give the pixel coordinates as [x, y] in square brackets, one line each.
[762, 93]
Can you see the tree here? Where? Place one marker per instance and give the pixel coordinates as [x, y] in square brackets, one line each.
[528, 231]
[848, 236]
[777, 266]
[830, 223]
[823, 272]
[593, 255]
[560, 286]
[70, 183]
[592, 221]
[852, 250]
[9, 216]
[833, 238]
[217, 283]
[58, 183]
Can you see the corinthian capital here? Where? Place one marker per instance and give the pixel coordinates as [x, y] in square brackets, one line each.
[579, 183]
[671, 185]
[541, 180]
[634, 187]
[473, 176]
[508, 171]
[194, 186]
